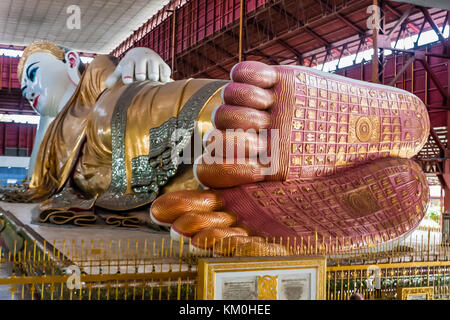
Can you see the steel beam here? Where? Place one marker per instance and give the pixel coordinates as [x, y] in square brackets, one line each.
[432, 23]
[282, 42]
[257, 51]
[438, 141]
[310, 31]
[446, 175]
[341, 17]
[436, 81]
[399, 14]
[211, 62]
[406, 65]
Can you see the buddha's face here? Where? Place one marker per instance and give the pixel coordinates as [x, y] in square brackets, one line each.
[44, 82]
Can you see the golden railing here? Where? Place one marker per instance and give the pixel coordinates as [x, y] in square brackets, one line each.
[164, 269]
[148, 270]
[144, 286]
[435, 229]
[344, 281]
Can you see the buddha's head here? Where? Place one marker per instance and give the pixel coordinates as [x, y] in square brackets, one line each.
[47, 72]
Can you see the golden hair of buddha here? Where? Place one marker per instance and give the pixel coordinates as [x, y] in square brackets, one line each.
[39, 46]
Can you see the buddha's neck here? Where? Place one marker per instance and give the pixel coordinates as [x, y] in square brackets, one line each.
[66, 97]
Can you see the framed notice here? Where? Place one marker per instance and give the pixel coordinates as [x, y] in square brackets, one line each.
[262, 278]
[415, 293]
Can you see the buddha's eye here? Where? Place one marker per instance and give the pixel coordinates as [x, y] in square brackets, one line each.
[32, 74]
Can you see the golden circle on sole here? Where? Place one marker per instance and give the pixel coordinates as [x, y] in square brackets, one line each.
[363, 129]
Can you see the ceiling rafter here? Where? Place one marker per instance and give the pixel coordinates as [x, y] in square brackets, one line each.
[282, 42]
[341, 17]
[300, 22]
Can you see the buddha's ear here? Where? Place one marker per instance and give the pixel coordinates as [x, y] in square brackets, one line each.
[72, 64]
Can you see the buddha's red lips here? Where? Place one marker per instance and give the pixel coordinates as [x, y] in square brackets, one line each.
[35, 101]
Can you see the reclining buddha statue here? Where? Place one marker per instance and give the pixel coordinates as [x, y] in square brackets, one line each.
[285, 152]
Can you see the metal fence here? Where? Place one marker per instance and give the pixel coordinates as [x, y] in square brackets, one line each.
[164, 269]
[87, 270]
[382, 281]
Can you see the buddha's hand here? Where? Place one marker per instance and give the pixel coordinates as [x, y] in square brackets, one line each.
[140, 64]
[280, 123]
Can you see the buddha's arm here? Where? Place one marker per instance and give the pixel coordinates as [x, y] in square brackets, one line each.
[133, 125]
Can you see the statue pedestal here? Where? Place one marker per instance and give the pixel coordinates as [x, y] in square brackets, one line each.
[94, 249]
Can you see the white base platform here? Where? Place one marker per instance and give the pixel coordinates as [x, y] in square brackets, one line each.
[82, 244]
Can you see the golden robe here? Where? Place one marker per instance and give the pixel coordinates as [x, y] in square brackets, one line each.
[114, 148]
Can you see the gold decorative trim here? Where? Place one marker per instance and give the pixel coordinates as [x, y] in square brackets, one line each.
[267, 287]
[391, 265]
[364, 129]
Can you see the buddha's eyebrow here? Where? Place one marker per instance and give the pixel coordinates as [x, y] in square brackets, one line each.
[28, 68]
[23, 88]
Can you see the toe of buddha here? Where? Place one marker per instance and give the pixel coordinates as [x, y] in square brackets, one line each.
[313, 124]
[367, 205]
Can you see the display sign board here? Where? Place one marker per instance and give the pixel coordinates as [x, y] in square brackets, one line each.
[415, 293]
[262, 278]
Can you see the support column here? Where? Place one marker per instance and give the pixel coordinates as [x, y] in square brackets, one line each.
[241, 28]
[375, 48]
[173, 38]
[447, 150]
